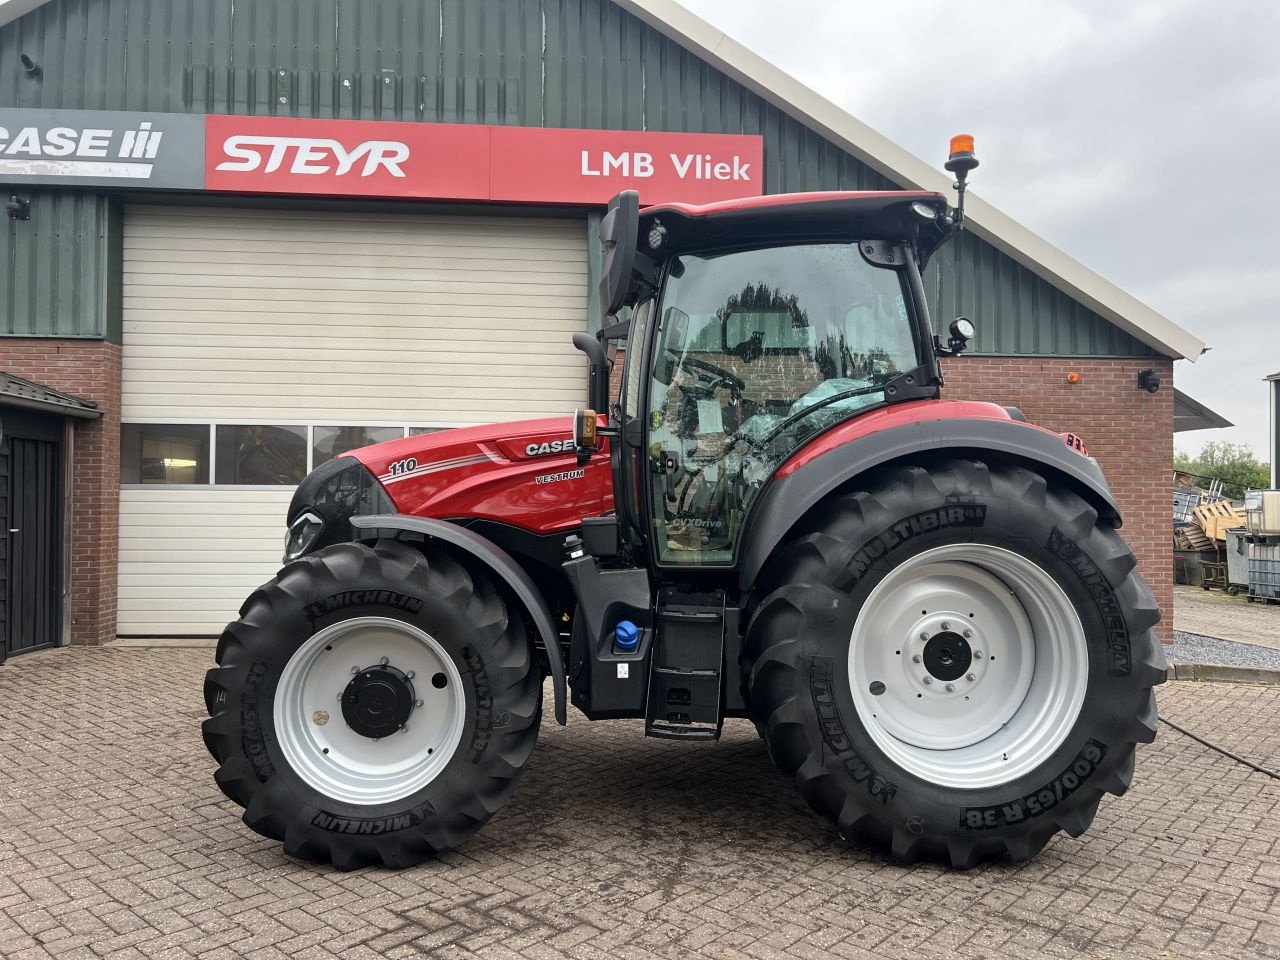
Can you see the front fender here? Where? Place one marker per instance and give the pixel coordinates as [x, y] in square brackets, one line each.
[502, 566]
[805, 479]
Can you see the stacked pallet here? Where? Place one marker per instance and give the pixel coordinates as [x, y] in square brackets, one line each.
[1216, 518]
[1208, 526]
[1191, 537]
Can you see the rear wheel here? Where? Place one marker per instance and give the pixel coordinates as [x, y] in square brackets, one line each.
[956, 662]
[372, 705]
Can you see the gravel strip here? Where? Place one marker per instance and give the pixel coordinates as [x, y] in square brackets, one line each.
[1194, 648]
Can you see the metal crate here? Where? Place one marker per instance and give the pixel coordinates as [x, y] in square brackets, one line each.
[1264, 569]
[1183, 504]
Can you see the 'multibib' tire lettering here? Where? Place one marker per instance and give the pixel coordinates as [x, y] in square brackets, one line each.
[951, 515]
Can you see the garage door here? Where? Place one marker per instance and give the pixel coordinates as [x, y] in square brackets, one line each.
[259, 343]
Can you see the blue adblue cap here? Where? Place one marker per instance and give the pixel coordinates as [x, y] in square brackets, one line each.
[626, 635]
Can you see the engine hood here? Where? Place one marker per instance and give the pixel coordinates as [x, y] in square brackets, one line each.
[524, 473]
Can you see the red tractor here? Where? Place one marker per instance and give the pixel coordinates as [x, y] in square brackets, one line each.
[923, 605]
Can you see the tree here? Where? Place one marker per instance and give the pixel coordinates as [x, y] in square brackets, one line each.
[1232, 463]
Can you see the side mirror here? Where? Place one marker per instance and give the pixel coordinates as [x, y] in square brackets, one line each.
[585, 440]
[598, 377]
[618, 232]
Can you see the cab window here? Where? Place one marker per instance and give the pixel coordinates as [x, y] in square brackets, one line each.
[756, 352]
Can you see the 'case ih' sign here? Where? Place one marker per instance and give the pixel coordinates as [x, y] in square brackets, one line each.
[442, 161]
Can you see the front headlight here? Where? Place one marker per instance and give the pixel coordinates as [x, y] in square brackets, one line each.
[302, 535]
[332, 494]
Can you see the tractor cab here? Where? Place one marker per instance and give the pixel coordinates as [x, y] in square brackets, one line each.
[747, 328]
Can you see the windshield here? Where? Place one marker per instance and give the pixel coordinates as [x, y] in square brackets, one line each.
[757, 351]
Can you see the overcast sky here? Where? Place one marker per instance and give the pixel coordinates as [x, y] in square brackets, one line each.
[1140, 137]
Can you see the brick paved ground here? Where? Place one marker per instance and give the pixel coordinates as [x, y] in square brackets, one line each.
[115, 842]
[1211, 613]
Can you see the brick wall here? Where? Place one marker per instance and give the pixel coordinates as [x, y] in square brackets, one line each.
[1129, 430]
[89, 369]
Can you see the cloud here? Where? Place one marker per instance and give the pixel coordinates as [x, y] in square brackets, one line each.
[1139, 137]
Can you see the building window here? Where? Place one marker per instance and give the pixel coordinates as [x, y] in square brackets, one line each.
[330, 442]
[260, 455]
[164, 453]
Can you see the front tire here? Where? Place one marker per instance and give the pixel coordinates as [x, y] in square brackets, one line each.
[372, 705]
[956, 662]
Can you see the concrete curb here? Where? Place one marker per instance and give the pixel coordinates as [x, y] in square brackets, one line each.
[1225, 673]
[165, 643]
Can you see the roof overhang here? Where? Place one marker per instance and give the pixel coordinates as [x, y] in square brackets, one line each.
[13, 9]
[19, 394]
[1191, 414]
[907, 170]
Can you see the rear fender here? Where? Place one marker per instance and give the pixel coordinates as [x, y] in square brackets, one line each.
[499, 563]
[798, 488]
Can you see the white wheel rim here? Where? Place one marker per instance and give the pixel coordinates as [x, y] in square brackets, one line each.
[1020, 691]
[323, 749]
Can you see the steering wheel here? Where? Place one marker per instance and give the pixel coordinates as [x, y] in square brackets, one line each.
[762, 443]
[718, 376]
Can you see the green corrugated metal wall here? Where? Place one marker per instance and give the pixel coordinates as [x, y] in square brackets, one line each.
[54, 276]
[560, 63]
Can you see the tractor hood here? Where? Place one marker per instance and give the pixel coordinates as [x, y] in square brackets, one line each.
[524, 473]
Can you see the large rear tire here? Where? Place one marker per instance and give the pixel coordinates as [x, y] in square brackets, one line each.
[955, 662]
[372, 705]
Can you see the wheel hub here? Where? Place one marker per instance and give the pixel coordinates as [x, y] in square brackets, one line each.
[947, 656]
[968, 664]
[378, 701]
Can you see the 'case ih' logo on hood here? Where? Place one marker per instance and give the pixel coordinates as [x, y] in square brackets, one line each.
[312, 155]
[551, 446]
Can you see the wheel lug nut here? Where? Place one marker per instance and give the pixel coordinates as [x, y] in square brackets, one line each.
[411, 674]
[384, 661]
[973, 676]
[968, 634]
[928, 680]
[915, 658]
[354, 671]
[946, 625]
[418, 703]
[924, 636]
[405, 728]
[951, 688]
[977, 654]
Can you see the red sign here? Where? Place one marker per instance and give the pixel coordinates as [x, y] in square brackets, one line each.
[446, 161]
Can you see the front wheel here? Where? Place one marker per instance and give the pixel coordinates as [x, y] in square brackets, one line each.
[955, 662]
[372, 705]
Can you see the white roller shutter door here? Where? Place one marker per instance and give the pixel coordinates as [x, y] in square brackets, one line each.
[302, 317]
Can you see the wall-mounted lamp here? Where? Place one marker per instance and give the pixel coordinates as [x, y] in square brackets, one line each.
[1148, 381]
[1073, 377]
[33, 69]
[18, 208]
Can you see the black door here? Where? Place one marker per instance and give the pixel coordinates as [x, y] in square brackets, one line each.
[33, 532]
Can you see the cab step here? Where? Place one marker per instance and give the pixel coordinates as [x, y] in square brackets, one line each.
[686, 699]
